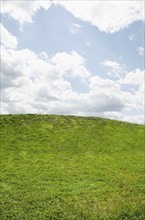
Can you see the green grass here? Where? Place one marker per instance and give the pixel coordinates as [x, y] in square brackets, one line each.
[65, 167]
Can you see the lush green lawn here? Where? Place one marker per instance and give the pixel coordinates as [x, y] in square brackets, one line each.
[62, 167]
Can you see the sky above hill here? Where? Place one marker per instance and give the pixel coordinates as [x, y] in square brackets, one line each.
[73, 57]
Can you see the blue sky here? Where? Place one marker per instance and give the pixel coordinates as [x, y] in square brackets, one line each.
[58, 59]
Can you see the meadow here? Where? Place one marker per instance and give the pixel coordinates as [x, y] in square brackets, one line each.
[71, 168]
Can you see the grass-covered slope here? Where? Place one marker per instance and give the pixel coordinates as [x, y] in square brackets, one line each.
[63, 167]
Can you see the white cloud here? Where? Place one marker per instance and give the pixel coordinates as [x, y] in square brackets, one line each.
[135, 100]
[7, 39]
[50, 92]
[105, 94]
[23, 11]
[70, 65]
[117, 70]
[133, 81]
[135, 78]
[33, 83]
[103, 85]
[108, 16]
[139, 119]
[111, 64]
[74, 28]
[141, 51]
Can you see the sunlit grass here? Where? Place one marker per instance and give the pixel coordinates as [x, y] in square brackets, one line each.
[64, 167]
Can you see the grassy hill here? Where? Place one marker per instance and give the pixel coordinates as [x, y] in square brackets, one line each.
[65, 167]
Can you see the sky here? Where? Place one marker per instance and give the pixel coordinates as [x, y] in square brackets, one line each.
[73, 58]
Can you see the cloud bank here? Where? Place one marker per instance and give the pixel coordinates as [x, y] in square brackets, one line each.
[23, 11]
[33, 83]
[107, 16]
[38, 83]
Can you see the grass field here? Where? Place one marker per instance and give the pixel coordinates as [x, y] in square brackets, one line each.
[65, 167]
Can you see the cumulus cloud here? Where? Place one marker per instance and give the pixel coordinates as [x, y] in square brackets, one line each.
[23, 11]
[103, 85]
[108, 16]
[7, 39]
[117, 70]
[135, 77]
[33, 83]
[102, 102]
[48, 90]
[105, 94]
[70, 65]
[133, 81]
